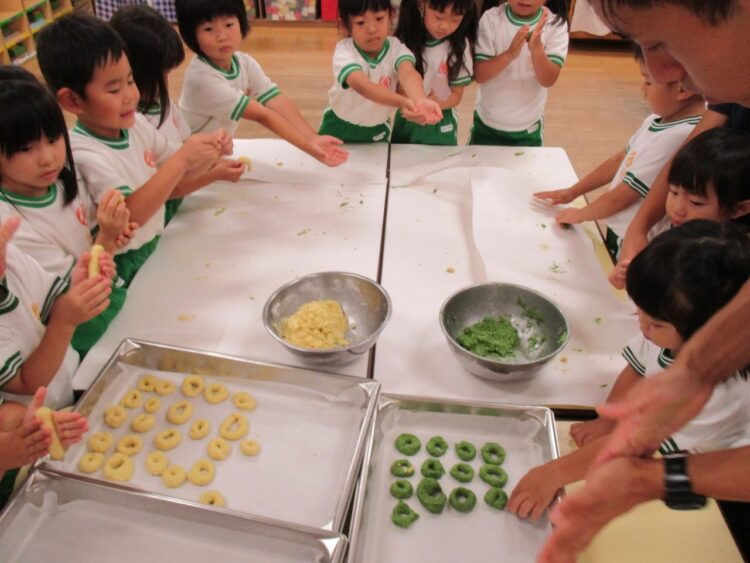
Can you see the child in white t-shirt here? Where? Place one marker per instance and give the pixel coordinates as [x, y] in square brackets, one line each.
[678, 282]
[631, 171]
[441, 34]
[368, 67]
[154, 50]
[223, 85]
[521, 47]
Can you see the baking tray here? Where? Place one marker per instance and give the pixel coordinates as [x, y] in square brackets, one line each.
[312, 428]
[482, 535]
[68, 519]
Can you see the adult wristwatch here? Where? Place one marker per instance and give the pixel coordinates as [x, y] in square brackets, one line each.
[679, 490]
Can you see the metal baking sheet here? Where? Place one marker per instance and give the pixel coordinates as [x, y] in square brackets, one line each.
[482, 535]
[66, 519]
[312, 428]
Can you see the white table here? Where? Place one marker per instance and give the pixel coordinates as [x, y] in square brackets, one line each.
[473, 221]
[231, 245]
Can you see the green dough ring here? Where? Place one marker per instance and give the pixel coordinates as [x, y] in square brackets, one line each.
[408, 444]
[496, 498]
[493, 453]
[462, 472]
[431, 495]
[402, 468]
[401, 489]
[437, 446]
[466, 451]
[493, 475]
[462, 499]
[403, 516]
[432, 468]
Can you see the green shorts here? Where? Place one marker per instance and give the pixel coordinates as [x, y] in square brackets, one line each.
[445, 132]
[483, 134]
[613, 242]
[333, 125]
[131, 261]
[170, 208]
[87, 334]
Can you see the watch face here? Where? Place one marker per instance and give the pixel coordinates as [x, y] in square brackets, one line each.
[679, 491]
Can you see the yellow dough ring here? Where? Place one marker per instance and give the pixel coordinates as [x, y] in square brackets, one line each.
[212, 498]
[119, 467]
[179, 412]
[234, 427]
[202, 473]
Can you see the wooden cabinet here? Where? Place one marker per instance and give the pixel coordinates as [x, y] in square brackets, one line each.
[21, 20]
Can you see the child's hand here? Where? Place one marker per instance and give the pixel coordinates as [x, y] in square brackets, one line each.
[618, 274]
[328, 150]
[113, 217]
[569, 216]
[107, 268]
[127, 235]
[411, 113]
[533, 494]
[430, 109]
[7, 229]
[224, 141]
[200, 151]
[83, 301]
[556, 197]
[585, 432]
[71, 426]
[535, 40]
[27, 442]
[228, 170]
[518, 42]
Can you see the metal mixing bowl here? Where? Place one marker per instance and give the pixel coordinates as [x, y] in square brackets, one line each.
[539, 340]
[366, 305]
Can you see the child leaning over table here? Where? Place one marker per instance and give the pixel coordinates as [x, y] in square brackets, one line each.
[222, 84]
[678, 282]
[154, 50]
[630, 172]
[84, 62]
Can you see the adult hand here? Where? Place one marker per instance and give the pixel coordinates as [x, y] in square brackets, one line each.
[610, 490]
[651, 411]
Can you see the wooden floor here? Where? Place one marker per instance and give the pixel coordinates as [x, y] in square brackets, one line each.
[592, 110]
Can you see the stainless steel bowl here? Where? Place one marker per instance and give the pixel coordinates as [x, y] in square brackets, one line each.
[539, 340]
[365, 303]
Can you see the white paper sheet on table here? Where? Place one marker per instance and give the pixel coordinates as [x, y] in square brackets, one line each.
[431, 251]
[274, 160]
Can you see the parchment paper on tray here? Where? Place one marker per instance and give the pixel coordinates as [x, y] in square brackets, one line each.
[482, 535]
[67, 520]
[311, 428]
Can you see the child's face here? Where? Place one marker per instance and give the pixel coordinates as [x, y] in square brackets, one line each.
[34, 168]
[219, 38]
[661, 97]
[441, 24]
[370, 30]
[682, 206]
[661, 333]
[526, 8]
[111, 99]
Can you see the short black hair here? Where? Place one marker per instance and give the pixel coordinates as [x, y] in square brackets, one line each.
[561, 9]
[31, 113]
[15, 72]
[712, 11]
[154, 48]
[719, 159]
[192, 13]
[686, 274]
[351, 8]
[71, 48]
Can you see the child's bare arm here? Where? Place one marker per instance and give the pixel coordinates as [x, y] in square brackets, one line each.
[486, 70]
[427, 111]
[606, 205]
[546, 71]
[199, 151]
[330, 146]
[359, 82]
[537, 489]
[224, 169]
[598, 177]
[457, 94]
